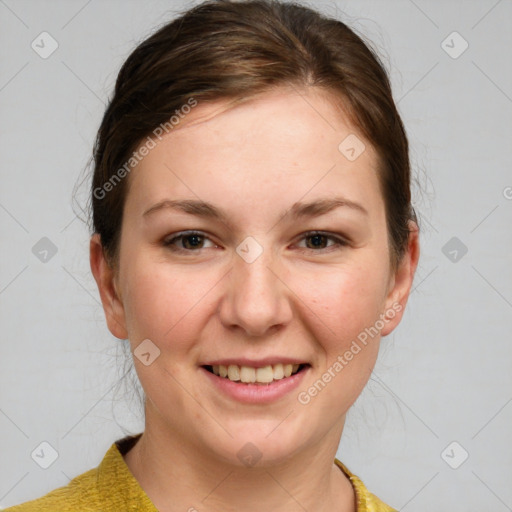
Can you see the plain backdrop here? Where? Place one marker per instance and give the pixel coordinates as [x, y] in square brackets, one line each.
[432, 430]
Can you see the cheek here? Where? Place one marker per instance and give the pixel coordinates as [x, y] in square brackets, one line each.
[344, 300]
[165, 304]
[343, 306]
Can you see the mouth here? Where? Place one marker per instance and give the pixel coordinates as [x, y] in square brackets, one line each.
[249, 375]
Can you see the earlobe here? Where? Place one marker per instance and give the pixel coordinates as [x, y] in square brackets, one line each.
[402, 282]
[105, 280]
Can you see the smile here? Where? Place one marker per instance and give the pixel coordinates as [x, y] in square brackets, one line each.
[251, 375]
[250, 385]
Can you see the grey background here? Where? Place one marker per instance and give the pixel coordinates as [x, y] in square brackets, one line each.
[443, 375]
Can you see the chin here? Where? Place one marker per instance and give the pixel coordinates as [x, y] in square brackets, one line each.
[251, 447]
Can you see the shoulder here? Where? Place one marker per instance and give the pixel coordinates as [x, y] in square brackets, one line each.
[78, 496]
[366, 501]
[110, 487]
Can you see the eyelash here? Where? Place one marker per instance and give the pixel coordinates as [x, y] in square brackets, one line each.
[338, 242]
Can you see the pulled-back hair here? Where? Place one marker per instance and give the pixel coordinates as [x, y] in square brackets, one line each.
[232, 50]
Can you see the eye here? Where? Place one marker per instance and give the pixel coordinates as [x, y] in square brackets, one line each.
[190, 241]
[319, 238]
[193, 241]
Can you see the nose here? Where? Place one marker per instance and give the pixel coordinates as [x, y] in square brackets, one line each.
[256, 298]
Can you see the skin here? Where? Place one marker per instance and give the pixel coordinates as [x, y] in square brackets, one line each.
[253, 160]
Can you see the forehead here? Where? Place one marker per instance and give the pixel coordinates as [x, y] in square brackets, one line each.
[280, 145]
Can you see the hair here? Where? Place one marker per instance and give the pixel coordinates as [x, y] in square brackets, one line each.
[234, 50]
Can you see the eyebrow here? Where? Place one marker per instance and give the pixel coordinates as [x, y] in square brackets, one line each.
[298, 209]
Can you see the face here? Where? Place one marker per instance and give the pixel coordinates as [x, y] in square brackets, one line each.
[255, 285]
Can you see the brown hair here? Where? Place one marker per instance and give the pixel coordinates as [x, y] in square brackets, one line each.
[233, 50]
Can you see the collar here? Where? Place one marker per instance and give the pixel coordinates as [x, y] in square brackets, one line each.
[131, 497]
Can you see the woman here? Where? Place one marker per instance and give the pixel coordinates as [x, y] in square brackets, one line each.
[253, 240]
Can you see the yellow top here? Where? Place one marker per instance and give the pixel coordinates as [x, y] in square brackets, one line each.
[111, 487]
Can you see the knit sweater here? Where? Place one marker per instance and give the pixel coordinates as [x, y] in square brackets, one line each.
[111, 487]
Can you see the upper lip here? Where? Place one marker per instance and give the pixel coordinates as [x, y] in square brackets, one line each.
[255, 363]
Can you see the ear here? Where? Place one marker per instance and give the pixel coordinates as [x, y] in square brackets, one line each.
[401, 282]
[110, 298]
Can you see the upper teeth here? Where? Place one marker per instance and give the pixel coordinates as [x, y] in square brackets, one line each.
[248, 374]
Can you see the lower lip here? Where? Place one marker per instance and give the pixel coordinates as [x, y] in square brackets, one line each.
[257, 393]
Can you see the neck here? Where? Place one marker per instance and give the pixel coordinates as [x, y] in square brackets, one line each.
[178, 475]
